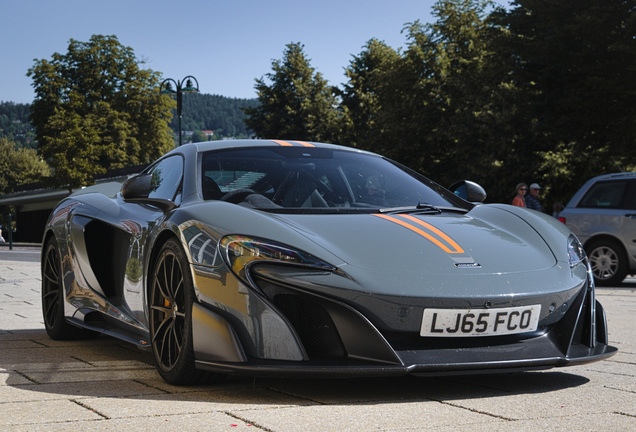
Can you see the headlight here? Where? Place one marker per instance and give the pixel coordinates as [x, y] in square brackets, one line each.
[576, 253]
[240, 252]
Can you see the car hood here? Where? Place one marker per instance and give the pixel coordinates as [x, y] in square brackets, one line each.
[495, 249]
[491, 242]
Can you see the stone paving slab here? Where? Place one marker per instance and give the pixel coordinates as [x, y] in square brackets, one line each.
[212, 422]
[216, 400]
[48, 411]
[31, 392]
[403, 416]
[104, 384]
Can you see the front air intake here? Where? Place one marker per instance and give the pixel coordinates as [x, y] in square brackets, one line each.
[310, 320]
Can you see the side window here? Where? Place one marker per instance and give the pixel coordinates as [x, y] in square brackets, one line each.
[630, 199]
[608, 194]
[166, 179]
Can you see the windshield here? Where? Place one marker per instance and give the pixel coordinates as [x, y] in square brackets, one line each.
[314, 178]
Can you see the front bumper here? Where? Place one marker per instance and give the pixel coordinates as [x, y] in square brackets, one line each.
[337, 340]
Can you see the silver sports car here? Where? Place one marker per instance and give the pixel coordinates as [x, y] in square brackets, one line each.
[296, 258]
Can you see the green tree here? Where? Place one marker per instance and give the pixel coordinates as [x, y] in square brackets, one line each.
[449, 103]
[296, 104]
[542, 91]
[372, 90]
[432, 106]
[456, 92]
[19, 166]
[97, 109]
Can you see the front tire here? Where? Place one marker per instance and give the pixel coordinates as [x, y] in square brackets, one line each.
[171, 295]
[608, 262]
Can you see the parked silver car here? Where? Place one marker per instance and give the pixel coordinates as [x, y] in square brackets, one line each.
[603, 216]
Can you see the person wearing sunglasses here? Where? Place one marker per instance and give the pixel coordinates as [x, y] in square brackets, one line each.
[519, 200]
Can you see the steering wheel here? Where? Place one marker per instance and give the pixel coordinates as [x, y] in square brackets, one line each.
[237, 195]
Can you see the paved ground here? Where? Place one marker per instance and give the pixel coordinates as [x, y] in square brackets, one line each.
[105, 385]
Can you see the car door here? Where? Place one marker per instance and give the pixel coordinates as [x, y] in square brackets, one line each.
[598, 211]
[140, 218]
[628, 221]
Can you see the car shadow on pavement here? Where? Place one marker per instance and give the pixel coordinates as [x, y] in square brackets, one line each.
[40, 368]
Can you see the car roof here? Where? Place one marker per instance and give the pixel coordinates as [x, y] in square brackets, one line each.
[614, 176]
[227, 144]
[605, 177]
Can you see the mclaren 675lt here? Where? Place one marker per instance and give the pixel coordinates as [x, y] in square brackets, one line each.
[289, 258]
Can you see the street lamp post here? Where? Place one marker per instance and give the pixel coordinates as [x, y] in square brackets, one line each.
[190, 87]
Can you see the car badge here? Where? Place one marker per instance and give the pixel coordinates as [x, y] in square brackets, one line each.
[468, 265]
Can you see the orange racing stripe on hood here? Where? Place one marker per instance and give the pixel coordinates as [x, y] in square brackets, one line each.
[435, 235]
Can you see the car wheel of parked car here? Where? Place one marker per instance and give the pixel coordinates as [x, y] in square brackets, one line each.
[53, 297]
[608, 261]
[171, 296]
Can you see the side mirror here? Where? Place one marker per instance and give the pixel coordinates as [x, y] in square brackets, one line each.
[135, 187]
[137, 190]
[470, 191]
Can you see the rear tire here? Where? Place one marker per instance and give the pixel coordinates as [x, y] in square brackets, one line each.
[170, 299]
[608, 262]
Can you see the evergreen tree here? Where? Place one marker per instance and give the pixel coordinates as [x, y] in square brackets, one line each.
[372, 90]
[96, 109]
[433, 106]
[297, 105]
[450, 61]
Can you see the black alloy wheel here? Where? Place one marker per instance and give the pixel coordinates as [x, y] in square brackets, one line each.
[170, 298]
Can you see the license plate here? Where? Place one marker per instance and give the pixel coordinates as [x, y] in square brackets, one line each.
[479, 322]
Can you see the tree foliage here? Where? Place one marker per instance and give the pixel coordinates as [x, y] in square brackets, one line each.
[448, 65]
[221, 114]
[19, 166]
[579, 59]
[296, 104]
[542, 91]
[97, 109]
[370, 95]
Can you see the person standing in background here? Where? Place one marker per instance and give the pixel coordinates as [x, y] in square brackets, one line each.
[518, 200]
[532, 199]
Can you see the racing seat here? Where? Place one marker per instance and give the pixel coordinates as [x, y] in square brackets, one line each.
[211, 190]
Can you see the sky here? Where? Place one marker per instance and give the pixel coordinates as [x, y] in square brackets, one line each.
[225, 44]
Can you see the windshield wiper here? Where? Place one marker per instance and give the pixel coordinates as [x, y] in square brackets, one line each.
[422, 208]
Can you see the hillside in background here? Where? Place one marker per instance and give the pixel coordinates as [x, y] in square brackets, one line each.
[15, 125]
[220, 114]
